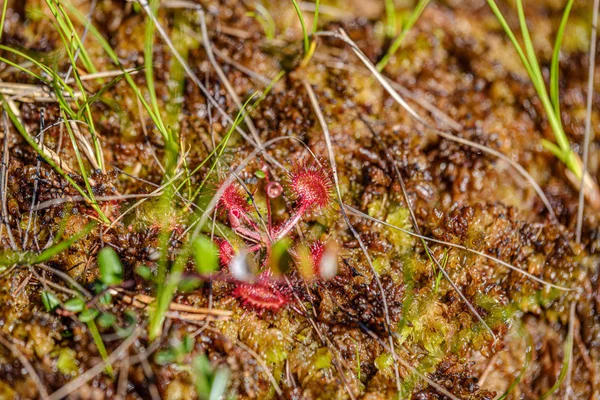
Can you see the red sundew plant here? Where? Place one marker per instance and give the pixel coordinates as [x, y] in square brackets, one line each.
[226, 252]
[310, 188]
[261, 295]
[316, 255]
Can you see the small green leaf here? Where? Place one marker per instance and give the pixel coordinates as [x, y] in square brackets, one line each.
[106, 320]
[210, 384]
[75, 305]
[88, 314]
[105, 299]
[206, 255]
[202, 376]
[165, 356]
[189, 284]
[145, 273]
[187, 344]
[219, 384]
[50, 301]
[67, 363]
[111, 270]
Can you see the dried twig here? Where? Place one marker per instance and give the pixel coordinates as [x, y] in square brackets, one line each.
[4, 181]
[36, 180]
[176, 311]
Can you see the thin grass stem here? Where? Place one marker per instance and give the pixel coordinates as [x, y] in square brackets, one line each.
[305, 40]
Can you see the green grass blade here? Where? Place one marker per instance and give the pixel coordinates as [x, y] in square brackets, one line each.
[390, 12]
[22, 69]
[414, 16]
[62, 246]
[30, 59]
[536, 76]
[3, 18]
[69, 35]
[115, 59]
[531, 64]
[303, 25]
[83, 54]
[72, 44]
[38, 149]
[167, 291]
[554, 149]
[100, 345]
[99, 94]
[564, 369]
[148, 65]
[510, 35]
[538, 82]
[555, 59]
[79, 158]
[21, 129]
[316, 16]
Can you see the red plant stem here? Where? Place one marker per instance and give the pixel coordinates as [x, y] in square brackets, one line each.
[250, 221]
[249, 234]
[269, 219]
[291, 222]
[255, 248]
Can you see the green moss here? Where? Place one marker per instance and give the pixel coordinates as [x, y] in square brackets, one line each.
[425, 323]
[384, 363]
[402, 242]
[375, 209]
[67, 362]
[381, 265]
[496, 313]
[276, 355]
[322, 358]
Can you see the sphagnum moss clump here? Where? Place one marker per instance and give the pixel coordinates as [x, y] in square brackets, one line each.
[149, 109]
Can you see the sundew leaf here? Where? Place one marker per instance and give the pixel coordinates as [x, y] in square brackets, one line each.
[106, 320]
[75, 305]
[111, 269]
[210, 384]
[88, 315]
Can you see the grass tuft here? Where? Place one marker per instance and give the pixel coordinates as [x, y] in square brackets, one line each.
[562, 148]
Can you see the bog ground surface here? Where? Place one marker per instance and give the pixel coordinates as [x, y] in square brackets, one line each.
[280, 199]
